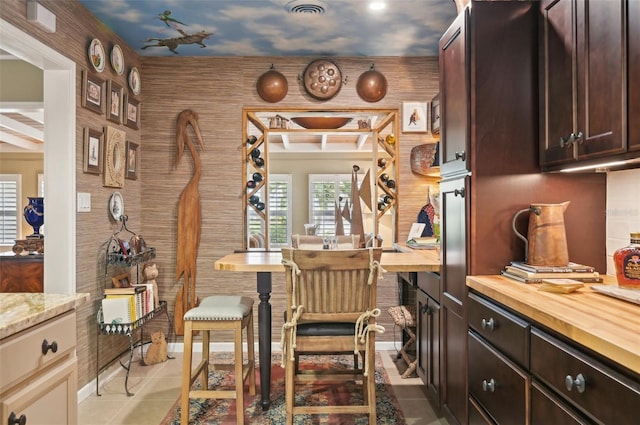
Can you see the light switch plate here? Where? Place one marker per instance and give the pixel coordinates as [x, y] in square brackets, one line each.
[84, 202]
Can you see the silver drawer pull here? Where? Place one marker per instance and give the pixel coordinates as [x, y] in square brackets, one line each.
[488, 324]
[489, 385]
[579, 383]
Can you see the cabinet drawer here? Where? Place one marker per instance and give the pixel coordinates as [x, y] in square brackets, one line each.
[508, 333]
[605, 395]
[498, 385]
[430, 283]
[21, 354]
[548, 409]
[47, 399]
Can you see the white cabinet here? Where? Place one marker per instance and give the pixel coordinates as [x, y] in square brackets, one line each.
[38, 373]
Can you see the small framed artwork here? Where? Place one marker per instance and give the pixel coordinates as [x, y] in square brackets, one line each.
[121, 281]
[114, 102]
[414, 117]
[92, 93]
[93, 141]
[131, 112]
[132, 161]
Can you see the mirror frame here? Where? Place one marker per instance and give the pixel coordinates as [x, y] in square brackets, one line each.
[384, 133]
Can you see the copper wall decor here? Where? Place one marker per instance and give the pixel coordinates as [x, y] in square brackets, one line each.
[322, 79]
[372, 85]
[272, 86]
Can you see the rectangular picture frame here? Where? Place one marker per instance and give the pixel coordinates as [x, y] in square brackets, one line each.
[92, 93]
[93, 151]
[131, 113]
[114, 102]
[414, 117]
[131, 171]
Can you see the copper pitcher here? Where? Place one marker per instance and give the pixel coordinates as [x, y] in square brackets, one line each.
[546, 244]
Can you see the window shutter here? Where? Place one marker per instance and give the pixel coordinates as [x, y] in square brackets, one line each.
[9, 208]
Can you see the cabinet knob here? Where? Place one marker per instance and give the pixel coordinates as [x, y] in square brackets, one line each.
[579, 382]
[459, 192]
[489, 385]
[46, 347]
[579, 138]
[460, 155]
[488, 324]
[425, 309]
[22, 420]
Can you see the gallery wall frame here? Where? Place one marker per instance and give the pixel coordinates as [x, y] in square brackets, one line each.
[414, 117]
[131, 115]
[114, 102]
[131, 172]
[92, 93]
[92, 153]
[114, 157]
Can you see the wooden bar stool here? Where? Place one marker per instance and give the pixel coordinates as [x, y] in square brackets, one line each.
[217, 313]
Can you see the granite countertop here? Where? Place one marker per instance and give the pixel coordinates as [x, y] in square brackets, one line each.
[21, 310]
[606, 325]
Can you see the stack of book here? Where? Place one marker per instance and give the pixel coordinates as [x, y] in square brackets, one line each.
[527, 273]
[126, 305]
[429, 242]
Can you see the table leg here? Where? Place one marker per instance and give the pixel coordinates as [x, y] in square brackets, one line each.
[264, 337]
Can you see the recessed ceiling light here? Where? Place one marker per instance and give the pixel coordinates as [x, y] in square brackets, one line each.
[313, 7]
[377, 6]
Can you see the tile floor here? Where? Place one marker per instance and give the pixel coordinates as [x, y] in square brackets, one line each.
[157, 387]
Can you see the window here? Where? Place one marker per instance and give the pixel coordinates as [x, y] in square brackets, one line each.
[325, 192]
[10, 208]
[279, 212]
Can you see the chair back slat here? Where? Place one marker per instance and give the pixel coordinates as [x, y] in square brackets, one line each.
[332, 283]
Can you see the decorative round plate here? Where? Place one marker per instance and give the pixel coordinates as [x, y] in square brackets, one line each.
[97, 56]
[117, 59]
[116, 205]
[322, 79]
[134, 80]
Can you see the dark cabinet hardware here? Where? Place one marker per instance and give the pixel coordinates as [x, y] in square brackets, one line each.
[459, 192]
[46, 347]
[13, 420]
[461, 155]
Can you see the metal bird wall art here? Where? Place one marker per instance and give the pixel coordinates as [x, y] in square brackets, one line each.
[189, 220]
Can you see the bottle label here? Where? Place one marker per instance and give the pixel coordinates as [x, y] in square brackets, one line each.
[631, 265]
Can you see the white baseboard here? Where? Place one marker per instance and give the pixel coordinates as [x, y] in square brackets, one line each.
[178, 347]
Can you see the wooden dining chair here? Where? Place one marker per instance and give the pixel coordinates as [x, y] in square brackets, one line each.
[331, 308]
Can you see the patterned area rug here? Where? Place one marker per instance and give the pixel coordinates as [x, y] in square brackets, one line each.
[222, 412]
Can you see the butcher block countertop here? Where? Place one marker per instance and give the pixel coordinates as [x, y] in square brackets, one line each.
[21, 310]
[606, 325]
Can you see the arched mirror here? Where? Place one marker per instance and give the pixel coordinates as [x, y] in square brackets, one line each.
[319, 172]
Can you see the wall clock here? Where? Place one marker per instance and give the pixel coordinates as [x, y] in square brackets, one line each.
[322, 79]
[114, 157]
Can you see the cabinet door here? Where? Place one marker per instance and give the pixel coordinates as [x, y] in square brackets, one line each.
[454, 97]
[428, 312]
[601, 98]
[548, 409]
[453, 249]
[582, 76]
[634, 70]
[557, 119]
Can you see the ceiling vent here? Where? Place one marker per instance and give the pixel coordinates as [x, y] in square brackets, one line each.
[304, 7]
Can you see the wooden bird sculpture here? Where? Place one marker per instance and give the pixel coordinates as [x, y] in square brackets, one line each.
[189, 221]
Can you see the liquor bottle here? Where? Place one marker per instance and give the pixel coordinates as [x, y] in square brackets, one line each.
[627, 261]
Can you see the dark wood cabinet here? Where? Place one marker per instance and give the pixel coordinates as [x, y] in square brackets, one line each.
[582, 80]
[547, 409]
[453, 97]
[428, 343]
[499, 385]
[22, 273]
[633, 9]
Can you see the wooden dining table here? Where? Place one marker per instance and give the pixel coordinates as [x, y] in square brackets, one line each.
[264, 263]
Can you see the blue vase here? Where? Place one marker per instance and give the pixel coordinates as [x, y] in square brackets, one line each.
[34, 214]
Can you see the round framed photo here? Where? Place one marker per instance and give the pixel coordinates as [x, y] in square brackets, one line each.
[134, 80]
[97, 56]
[117, 59]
